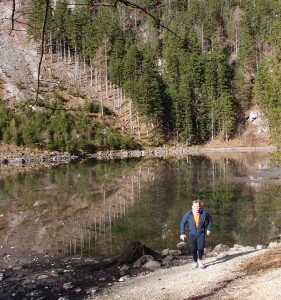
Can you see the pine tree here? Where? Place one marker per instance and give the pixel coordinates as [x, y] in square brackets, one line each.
[150, 85]
[61, 13]
[36, 18]
[132, 68]
[244, 67]
[184, 111]
[210, 98]
[75, 24]
[116, 56]
[225, 107]
[226, 117]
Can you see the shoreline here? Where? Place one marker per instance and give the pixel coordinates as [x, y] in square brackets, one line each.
[28, 157]
[112, 154]
[227, 270]
[14, 160]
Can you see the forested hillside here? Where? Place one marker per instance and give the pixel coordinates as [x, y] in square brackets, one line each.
[188, 69]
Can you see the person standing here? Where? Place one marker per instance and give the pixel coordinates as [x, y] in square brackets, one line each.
[199, 224]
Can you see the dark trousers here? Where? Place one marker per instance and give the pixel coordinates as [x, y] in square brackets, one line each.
[197, 246]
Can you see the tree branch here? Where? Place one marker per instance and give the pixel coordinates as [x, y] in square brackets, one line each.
[128, 3]
[42, 49]
[13, 15]
[135, 6]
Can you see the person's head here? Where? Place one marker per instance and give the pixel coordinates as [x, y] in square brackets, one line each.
[196, 205]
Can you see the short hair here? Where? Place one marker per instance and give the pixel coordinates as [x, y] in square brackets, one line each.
[197, 201]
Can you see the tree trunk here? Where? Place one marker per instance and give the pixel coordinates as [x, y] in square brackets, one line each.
[134, 251]
[106, 79]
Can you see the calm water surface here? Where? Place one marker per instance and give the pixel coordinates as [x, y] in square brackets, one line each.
[96, 208]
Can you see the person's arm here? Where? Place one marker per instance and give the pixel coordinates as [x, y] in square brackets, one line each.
[182, 226]
[210, 224]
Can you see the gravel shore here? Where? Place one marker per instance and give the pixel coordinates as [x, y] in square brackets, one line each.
[239, 273]
[224, 277]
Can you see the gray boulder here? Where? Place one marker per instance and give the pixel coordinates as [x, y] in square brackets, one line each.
[152, 265]
[143, 260]
[221, 248]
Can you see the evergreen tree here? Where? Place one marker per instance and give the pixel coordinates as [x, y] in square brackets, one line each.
[184, 111]
[244, 67]
[210, 96]
[170, 53]
[36, 18]
[91, 40]
[226, 117]
[5, 116]
[61, 13]
[224, 109]
[132, 68]
[150, 85]
[117, 54]
[75, 24]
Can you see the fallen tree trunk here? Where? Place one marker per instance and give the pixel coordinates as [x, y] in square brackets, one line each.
[134, 251]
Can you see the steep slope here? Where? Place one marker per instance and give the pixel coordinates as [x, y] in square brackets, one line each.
[71, 80]
[19, 60]
[75, 83]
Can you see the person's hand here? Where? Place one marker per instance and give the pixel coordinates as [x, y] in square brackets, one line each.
[183, 237]
[208, 232]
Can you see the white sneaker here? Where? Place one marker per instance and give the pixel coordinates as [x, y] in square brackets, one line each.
[195, 265]
[200, 264]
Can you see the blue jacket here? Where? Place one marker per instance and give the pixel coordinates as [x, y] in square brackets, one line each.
[205, 219]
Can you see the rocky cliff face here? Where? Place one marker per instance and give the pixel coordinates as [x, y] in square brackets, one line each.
[258, 119]
[19, 60]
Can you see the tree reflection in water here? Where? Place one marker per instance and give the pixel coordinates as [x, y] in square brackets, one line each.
[97, 208]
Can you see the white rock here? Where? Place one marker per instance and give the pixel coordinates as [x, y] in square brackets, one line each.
[259, 247]
[123, 278]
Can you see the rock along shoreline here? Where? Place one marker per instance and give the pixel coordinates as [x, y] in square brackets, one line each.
[111, 154]
[21, 158]
[30, 159]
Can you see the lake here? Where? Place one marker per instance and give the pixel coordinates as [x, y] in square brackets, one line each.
[95, 208]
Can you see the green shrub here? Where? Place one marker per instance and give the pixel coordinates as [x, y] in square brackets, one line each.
[91, 107]
[76, 93]
[60, 130]
[20, 85]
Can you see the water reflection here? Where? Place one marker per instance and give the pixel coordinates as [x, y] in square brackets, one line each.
[96, 208]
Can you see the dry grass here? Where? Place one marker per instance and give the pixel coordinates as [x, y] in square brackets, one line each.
[263, 263]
